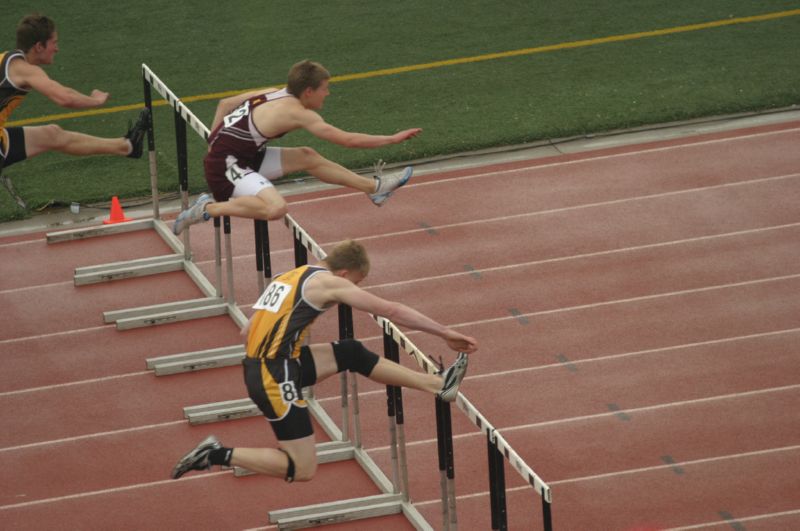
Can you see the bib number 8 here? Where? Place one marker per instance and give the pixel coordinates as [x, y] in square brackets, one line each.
[288, 392]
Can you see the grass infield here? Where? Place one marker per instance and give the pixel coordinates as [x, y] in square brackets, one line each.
[473, 74]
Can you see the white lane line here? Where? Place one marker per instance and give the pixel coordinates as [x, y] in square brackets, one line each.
[754, 518]
[535, 167]
[595, 416]
[77, 382]
[366, 394]
[620, 250]
[109, 491]
[92, 436]
[509, 217]
[682, 464]
[55, 334]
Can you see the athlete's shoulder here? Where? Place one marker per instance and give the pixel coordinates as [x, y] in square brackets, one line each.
[20, 71]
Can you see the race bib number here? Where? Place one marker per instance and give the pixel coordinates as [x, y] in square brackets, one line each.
[273, 297]
[289, 392]
[236, 114]
[234, 172]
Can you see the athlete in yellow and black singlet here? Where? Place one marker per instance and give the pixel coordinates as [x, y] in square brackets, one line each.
[277, 365]
[12, 140]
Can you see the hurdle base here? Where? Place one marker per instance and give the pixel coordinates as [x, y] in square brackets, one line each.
[346, 511]
[166, 313]
[196, 361]
[219, 411]
[129, 269]
[102, 230]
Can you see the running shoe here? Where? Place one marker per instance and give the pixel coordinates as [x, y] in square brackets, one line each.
[197, 459]
[135, 134]
[194, 214]
[387, 184]
[452, 377]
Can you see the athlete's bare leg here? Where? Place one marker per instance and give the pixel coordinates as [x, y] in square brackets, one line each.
[385, 372]
[275, 463]
[40, 139]
[267, 204]
[307, 159]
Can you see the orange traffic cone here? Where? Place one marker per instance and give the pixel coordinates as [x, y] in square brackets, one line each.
[117, 216]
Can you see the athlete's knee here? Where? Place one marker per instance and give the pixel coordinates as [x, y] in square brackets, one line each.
[299, 469]
[351, 355]
[305, 471]
[52, 136]
[309, 153]
[271, 210]
[309, 157]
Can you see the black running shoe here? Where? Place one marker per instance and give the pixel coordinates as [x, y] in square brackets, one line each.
[452, 377]
[197, 459]
[135, 134]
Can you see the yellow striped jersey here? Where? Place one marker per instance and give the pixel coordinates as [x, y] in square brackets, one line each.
[283, 316]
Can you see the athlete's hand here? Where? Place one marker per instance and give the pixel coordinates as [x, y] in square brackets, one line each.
[460, 342]
[402, 136]
[99, 96]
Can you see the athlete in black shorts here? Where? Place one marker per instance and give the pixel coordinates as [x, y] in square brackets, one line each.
[20, 72]
[278, 365]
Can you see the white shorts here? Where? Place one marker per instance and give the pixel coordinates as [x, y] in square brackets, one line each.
[247, 182]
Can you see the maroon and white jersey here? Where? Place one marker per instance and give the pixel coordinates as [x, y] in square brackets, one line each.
[237, 141]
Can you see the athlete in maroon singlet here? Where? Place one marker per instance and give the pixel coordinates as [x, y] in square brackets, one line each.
[240, 164]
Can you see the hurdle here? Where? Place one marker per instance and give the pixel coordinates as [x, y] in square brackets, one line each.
[212, 302]
[345, 442]
[498, 448]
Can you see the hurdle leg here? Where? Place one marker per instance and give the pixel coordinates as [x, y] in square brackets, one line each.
[183, 175]
[546, 515]
[226, 229]
[444, 436]
[390, 406]
[497, 486]
[263, 260]
[151, 146]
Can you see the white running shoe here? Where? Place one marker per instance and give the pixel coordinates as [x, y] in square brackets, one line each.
[197, 459]
[194, 214]
[387, 184]
[452, 377]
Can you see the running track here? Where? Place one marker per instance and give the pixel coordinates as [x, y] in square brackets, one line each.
[639, 324]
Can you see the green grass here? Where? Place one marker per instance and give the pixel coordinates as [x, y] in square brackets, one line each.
[213, 47]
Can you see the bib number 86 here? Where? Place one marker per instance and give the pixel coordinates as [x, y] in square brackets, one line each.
[273, 297]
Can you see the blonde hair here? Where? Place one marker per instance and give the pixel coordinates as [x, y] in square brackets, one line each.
[350, 256]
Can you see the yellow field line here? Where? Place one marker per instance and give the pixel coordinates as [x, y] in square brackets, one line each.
[448, 62]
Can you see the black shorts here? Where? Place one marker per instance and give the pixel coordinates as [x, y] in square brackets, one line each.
[12, 146]
[276, 387]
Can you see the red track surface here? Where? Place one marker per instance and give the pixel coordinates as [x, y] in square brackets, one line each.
[638, 317]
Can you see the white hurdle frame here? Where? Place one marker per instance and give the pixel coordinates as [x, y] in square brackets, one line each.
[212, 303]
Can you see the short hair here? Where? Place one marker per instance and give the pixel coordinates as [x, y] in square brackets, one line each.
[305, 74]
[33, 29]
[350, 256]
